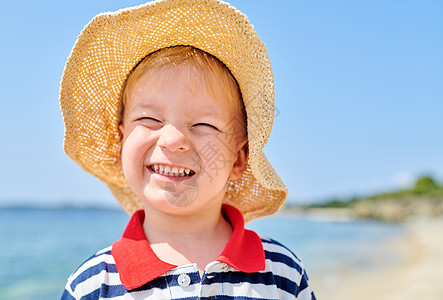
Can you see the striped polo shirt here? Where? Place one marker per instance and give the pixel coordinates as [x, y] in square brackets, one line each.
[250, 268]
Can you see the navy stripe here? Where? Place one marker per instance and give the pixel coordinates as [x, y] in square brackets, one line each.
[91, 296]
[287, 285]
[159, 283]
[266, 278]
[164, 281]
[226, 297]
[304, 282]
[109, 291]
[102, 253]
[106, 291]
[67, 296]
[92, 271]
[187, 298]
[274, 242]
[279, 257]
[291, 287]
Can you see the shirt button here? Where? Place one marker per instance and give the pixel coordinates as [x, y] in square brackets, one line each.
[184, 280]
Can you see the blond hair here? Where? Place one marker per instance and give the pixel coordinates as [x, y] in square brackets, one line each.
[202, 71]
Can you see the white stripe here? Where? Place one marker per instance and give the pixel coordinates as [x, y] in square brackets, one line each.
[107, 258]
[305, 294]
[104, 250]
[95, 282]
[284, 295]
[244, 289]
[68, 288]
[183, 292]
[191, 268]
[283, 270]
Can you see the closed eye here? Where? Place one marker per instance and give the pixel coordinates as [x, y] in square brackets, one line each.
[150, 122]
[205, 126]
[149, 118]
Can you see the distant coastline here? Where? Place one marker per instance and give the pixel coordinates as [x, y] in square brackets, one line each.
[57, 206]
[424, 199]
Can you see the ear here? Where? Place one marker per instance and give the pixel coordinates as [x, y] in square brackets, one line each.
[120, 132]
[241, 161]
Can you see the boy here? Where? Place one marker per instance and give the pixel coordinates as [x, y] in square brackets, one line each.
[170, 104]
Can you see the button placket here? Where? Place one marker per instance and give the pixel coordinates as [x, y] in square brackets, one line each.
[209, 286]
[184, 280]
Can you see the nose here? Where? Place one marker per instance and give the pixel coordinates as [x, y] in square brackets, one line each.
[173, 139]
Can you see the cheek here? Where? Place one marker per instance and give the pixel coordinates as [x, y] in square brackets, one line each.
[216, 156]
[135, 145]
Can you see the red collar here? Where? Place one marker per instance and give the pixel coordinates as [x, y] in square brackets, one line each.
[137, 263]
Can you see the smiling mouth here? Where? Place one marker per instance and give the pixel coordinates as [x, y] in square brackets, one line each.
[171, 171]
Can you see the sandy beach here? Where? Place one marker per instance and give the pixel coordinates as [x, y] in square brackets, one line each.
[415, 273]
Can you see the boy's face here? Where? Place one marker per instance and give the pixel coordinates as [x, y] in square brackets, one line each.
[179, 145]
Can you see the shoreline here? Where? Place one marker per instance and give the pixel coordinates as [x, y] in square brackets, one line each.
[416, 272]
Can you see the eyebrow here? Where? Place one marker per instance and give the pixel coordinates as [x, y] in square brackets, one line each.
[202, 110]
[144, 105]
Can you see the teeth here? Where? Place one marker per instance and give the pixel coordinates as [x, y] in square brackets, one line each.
[171, 171]
[174, 171]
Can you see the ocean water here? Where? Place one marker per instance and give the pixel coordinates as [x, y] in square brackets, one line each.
[41, 247]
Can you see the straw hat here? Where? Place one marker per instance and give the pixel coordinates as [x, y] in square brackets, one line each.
[112, 44]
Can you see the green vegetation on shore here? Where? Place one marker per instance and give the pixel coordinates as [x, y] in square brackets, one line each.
[425, 198]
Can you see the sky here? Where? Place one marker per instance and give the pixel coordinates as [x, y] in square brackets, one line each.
[358, 90]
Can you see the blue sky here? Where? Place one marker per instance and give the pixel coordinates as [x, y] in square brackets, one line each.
[359, 88]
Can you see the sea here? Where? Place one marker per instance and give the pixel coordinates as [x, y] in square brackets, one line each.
[40, 247]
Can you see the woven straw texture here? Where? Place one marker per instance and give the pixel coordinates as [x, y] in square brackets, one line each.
[112, 44]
